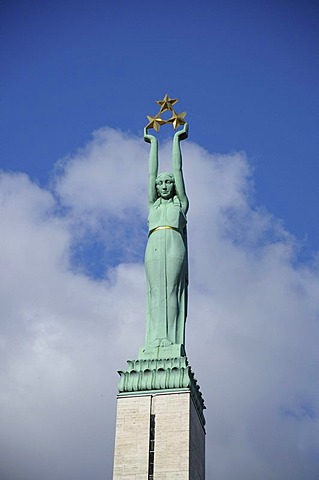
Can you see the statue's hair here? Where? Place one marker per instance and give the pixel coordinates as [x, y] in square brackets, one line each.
[167, 174]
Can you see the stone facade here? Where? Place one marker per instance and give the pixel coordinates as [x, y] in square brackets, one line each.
[196, 446]
[179, 452]
[132, 438]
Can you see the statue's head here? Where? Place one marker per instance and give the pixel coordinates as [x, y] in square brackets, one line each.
[165, 185]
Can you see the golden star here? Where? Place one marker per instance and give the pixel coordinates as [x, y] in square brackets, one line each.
[155, 122]
[167, 103]
[177, 119]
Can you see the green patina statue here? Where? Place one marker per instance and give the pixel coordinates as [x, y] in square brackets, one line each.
[166, 255]
[162, 365]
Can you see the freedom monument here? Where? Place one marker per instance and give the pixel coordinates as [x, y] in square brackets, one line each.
[160, 426]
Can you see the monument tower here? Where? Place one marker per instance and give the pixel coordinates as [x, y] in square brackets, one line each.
[160, 426]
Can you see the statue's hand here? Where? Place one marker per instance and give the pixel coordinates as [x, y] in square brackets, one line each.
[149, 138]
[182, 134]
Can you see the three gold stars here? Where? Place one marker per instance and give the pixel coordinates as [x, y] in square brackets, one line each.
[166, 104]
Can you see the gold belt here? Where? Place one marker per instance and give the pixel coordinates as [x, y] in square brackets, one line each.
[166, 227]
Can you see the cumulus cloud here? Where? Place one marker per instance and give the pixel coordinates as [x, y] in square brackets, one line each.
[68, 325]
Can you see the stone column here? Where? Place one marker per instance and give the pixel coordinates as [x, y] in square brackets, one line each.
[160, 435]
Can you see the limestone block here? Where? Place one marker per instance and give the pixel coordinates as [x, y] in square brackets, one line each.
[132, 438]
[179, 452]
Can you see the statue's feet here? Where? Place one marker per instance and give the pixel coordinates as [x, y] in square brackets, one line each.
[165, 342]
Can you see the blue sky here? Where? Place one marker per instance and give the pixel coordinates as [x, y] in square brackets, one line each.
[246, 72]
[78, 79]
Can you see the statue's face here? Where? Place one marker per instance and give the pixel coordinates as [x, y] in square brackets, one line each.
[165, 186]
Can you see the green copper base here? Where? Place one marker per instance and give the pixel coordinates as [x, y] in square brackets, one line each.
[161, 375]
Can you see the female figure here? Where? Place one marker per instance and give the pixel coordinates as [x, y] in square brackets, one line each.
[166, 250]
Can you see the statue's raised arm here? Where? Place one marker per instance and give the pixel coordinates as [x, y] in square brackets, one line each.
[178, 167]
[152, 166]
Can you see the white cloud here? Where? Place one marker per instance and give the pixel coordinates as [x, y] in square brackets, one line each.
[104, 174]
[252, 329]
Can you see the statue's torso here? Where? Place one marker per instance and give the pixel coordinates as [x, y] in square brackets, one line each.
[163, 214]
